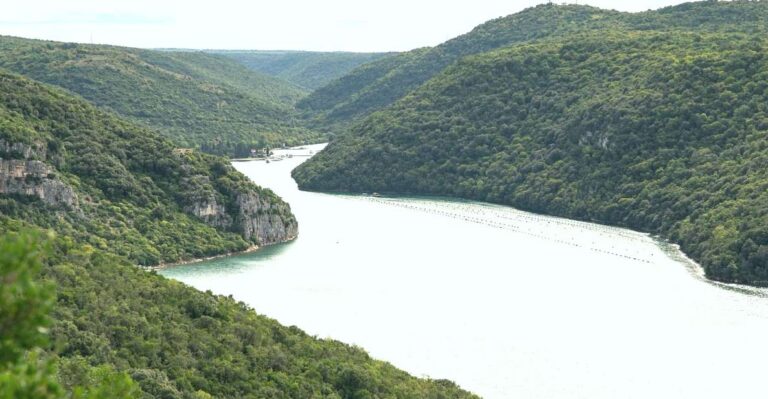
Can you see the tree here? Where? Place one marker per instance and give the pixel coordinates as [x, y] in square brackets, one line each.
[26, 371]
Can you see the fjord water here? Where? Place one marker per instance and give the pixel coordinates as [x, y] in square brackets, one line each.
[505, 303]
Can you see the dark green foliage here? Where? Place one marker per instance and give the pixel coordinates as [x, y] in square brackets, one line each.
[662, 132]
[132, 187]
[307, 69]
[386, 80]
[177, 342]
[26, 303]
[25, 306]
[113, 320]
[195, 99]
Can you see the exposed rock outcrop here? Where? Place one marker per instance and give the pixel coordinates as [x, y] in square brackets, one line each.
[211, 212]
[261, 220]
[266, 222]
[32, 177]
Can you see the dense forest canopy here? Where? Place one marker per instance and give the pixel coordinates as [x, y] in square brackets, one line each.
[307, 69]
[197, 100]
[658, 130]
[115, 331]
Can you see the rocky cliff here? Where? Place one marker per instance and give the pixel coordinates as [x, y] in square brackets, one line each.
[261, 220]
[266, 222]
[255, 218]
[26, 174]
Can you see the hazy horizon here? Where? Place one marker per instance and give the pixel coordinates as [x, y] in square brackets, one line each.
[292, 25]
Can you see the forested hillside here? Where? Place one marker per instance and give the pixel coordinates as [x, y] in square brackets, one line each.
[197, 100]
[307, 69]
[380, 83]
[114, 194]
[112, 184]
[120, 332]
[662, 132]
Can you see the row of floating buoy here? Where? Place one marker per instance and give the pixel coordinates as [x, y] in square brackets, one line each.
[514, 220]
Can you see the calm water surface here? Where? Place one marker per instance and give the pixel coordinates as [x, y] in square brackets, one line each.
[506, 303]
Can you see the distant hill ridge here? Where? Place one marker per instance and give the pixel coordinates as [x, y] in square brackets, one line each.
[307, 69]
[382, 82]
[195, 99]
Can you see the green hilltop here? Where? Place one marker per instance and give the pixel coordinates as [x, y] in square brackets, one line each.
[657, 129]
[382, 82]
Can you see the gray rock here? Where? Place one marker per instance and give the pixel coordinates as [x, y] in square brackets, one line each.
[211, 212]
[253, 217]
[265, 222]
[35, 178]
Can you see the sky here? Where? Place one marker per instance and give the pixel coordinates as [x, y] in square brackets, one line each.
[320, 25]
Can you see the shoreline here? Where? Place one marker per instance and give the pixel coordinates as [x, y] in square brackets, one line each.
[251, 249]
[692, 265]
[248, 250]
[166, 265]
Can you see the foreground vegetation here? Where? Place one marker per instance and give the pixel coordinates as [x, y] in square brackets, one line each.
[197, 100]
[656, 131]
[119, 332]
[26, 371]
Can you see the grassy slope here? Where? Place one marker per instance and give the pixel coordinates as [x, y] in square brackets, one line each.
[192, 98]
[174, 341]
[656, 131]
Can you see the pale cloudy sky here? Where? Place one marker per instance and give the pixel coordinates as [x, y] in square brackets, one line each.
[349, 25]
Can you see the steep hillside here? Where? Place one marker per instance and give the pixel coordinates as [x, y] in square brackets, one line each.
[660, 132]
[383, 82]
[308, 69]
[194, 99]
[68, 166]
[117, 194]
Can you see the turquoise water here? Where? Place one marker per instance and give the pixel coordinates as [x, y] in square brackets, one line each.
[505, 303]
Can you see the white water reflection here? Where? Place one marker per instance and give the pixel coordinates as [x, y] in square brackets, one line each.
[506, 303]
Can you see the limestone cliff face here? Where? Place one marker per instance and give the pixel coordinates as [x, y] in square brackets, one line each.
[210, 211]
[269, 222]
[32, 177]
[260, 220]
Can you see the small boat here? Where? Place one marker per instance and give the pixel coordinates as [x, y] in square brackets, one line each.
[376, 195]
